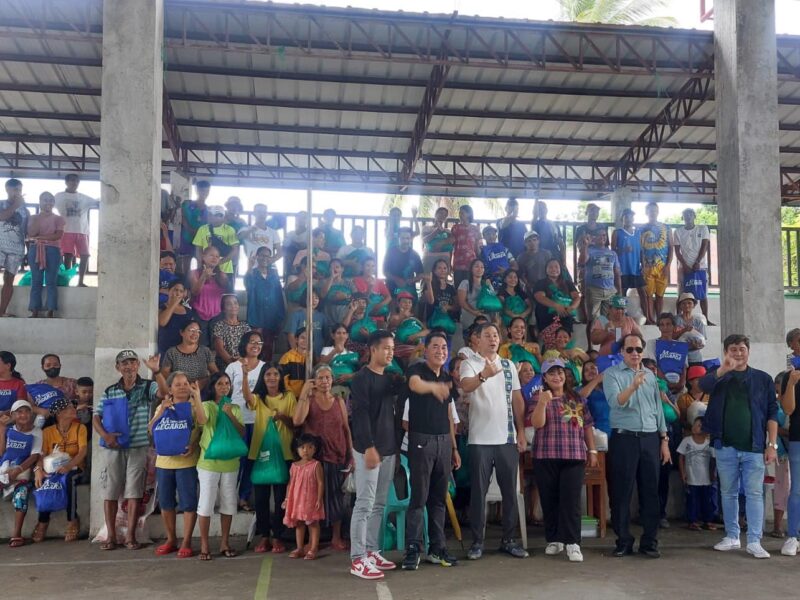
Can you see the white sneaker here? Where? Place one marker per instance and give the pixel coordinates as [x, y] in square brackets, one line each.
[553, 548]
[790, 547]
[379, 562]
[757, 550]
[728, 543]
[574, 553]
[363, 568]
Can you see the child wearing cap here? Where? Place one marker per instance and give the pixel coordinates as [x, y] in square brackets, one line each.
[219, 234]
[69, 436]
[22, 445]
[691, 395]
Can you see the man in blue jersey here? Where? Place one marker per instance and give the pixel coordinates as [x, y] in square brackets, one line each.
[626, 243]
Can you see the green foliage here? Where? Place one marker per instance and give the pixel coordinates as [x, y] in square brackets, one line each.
[623, 12]
[428, 204]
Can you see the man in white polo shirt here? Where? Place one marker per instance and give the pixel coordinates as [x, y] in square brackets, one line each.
[496, 437]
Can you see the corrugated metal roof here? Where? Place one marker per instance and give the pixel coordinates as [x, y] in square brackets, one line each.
[329, 97]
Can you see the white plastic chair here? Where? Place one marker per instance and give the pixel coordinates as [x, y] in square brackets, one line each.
[493, 495]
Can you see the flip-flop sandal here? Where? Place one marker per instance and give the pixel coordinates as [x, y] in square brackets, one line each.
[205, 556]
[297, 553]
[278, 548]
[262, 547]
[185, 553]
[228, 553]
[108, 545]
[165, 549]
[310, 555]
[16, 542]
[340, 547]
[133, 546]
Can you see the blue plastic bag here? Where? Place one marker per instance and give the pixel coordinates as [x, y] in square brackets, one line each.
[172, 430]
[18, 446]
[43, 394]
[604, 361]
[115, 420]
[52, 495]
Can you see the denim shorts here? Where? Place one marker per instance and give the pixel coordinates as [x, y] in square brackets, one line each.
[180, 481]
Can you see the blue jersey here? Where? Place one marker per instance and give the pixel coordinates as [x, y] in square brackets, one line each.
[496, 258]
[628, 250]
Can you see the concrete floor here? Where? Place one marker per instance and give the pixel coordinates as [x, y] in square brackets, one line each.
[688, 566]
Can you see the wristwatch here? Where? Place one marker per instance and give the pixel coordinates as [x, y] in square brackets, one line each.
[481, 378]
[664, 438]
[773, 445]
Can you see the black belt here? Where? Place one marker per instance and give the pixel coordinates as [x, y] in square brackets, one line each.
[639, 434]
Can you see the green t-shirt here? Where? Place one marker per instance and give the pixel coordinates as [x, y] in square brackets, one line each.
[737, 424]
[218, 466]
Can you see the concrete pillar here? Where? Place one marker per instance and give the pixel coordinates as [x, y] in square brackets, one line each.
[620, 200]
[130, 176]
[748, 181]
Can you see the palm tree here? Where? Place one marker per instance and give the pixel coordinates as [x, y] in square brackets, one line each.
[622, 12]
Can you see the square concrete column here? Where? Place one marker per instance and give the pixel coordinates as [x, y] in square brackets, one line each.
[130, 177]
[748, 178]
[621, 199]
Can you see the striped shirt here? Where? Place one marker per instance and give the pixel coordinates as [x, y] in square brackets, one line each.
[143, 392]
[562, 436]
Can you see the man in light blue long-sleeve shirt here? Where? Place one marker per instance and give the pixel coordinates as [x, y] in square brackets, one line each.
[638, 445]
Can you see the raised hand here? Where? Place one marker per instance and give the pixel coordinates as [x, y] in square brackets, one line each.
[638, 379]
[153, 363]
[441, 391]
[545, 396]
[490, 369]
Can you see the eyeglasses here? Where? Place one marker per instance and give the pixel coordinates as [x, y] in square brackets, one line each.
[192, 331]
[256, 343]
[632, 349]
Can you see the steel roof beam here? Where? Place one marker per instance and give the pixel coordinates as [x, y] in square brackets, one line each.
[676, 112]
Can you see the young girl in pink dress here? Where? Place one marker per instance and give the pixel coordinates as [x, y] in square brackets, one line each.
[304, 502]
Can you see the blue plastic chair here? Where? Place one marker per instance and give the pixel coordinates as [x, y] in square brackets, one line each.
[398, 507]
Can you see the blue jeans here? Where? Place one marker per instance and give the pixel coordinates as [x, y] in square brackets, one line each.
[794, 492]
[731, 465]
[53, 260]
[177, 482]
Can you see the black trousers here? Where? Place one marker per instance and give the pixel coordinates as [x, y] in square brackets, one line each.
[504, 458]
[430, 461]
[634, 460]
[560, 482]
[269, 523]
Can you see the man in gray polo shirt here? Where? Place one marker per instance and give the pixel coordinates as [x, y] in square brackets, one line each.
[638, 445]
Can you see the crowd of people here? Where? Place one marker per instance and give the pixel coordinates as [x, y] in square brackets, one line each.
[466, 353]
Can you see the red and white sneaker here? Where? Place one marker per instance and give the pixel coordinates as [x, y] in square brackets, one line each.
[363, 568]
[380, 563]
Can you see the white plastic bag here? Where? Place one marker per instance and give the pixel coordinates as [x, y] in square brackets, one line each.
[55, 460]
[600, 440]
[349, 484]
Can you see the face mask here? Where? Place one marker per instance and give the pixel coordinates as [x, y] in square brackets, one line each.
[52, 372]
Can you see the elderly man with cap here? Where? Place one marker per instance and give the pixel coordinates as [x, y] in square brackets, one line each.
[66, 436]
[497, 258]
[222, 236]
[564, 440]
[120, 420]
[532, 262]
[690, 328]
[638, 445]
[22, 445]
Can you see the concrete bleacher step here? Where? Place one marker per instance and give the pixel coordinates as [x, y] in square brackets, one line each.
[73, 302]
[36, 336]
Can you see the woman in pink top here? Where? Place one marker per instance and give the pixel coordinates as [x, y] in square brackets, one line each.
[44, 256]
[608, 331]
[466, 244]
[208, 284]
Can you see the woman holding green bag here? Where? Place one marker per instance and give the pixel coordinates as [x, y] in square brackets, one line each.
[468, 291]
[218, 465]
[515, 304]
[518, 348]
[441, 309]
[272, 403]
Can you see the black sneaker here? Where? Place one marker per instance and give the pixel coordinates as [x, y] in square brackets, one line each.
[442, 557]
[621, 550]
[411, 558]
[650, 551]
[513, 548]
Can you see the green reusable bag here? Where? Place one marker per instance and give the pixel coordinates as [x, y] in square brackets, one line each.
[408, 328]
[441, 320]
[226, 442]
[344, 364]
[518, 353]
[516, 306]
[374, 300]
[269, 467]
[360, 330]
[488, 301]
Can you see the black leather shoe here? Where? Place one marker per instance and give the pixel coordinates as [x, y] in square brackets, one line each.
[621, 550]
[650, 551]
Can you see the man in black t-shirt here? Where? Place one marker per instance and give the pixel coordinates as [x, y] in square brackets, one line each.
[402, 265]
[432, 452]
[372, 394]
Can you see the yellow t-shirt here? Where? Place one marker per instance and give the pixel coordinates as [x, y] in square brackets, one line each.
[294, 364]
[183, 462]
[70, 443]
[284, 405]
[224, 232]
[218, 466]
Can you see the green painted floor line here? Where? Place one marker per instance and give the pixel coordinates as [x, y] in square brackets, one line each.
[262, 587]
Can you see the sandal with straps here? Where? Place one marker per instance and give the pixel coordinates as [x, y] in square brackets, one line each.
[39, 532]
[72, 531]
